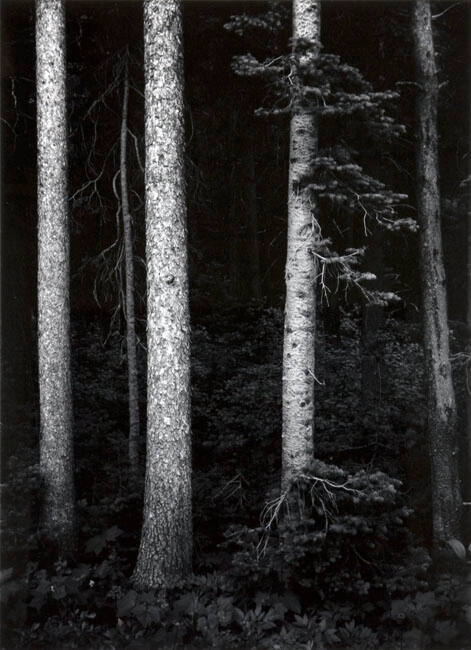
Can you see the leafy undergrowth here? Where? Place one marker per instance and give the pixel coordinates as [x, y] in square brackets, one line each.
[333, 563]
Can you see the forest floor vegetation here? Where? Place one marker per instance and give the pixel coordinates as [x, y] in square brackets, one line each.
[341, 560]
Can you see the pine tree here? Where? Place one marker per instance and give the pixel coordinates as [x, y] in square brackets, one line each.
[56, 442]
[442, 415]
[165, 551]
[319, 92]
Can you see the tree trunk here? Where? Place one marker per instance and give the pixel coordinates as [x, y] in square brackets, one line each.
[129, 273]
[300, 273]
[467, 463]
[165, 552]
[442, 422]
[55, 395]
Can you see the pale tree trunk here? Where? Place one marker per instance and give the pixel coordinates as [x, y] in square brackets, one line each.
[165, 551]
[133, 443]
[55, 395]
[300, 274]
[442, 417]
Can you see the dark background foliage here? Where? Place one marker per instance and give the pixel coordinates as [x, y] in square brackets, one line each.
[367, 582]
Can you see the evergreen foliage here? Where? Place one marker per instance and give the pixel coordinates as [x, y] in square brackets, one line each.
[342, 559]
[343, 570]
[346, 104]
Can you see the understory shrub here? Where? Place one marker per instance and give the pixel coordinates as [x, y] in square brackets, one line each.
[332, 534]
[336, 545]
[330, 564]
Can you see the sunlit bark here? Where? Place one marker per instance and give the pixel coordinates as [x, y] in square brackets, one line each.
[300, 272]
[56, 442]
[165, 551]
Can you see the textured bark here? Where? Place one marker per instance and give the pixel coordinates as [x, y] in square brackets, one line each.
[165, 551]
[300, 275]
[133, 391]
[442, 418]
[56, 442]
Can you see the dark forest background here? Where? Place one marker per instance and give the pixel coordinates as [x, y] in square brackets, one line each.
[370, 408]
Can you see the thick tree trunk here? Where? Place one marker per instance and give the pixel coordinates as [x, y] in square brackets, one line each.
[133, 390]
[165, 552]
[56, 442]
[442, 421]
[300, 274]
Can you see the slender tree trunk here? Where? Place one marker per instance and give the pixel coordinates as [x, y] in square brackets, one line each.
[130, 311]
[55, 394]
[253, 236]
[300, 274]
[442, 422]
[165, 551]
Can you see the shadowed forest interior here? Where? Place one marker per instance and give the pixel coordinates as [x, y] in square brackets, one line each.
[197, 137]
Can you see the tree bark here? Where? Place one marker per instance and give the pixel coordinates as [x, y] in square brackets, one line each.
[300, 273]
[133, 390]
[442, 417]
[55, 394]
[165, 552]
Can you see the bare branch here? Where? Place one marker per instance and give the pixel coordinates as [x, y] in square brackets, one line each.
[442, 13]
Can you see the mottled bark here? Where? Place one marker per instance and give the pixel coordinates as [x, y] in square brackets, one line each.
[133, 391]
[56, 441]
[442, 418]
[300, 272]
[165, 551]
